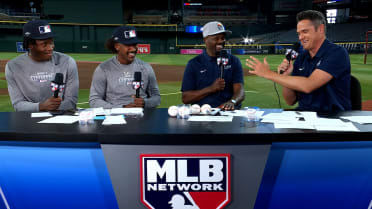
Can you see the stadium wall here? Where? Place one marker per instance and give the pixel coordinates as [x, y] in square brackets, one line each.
[164, 39]
[85, 11]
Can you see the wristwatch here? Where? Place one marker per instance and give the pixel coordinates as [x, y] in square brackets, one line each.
[233, 101]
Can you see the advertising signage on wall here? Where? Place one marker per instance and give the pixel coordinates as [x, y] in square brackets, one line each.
[194, 181]
[191, 51]
[144, 48]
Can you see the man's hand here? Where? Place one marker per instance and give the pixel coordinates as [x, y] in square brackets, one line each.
[229, 105]
[218, 85]
[285, 67]
[50, 104]
[258, 68]
[138, 102]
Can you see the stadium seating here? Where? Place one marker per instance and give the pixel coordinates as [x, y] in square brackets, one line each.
[350, 32]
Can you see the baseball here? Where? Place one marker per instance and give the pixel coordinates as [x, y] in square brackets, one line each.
[206, 109]
[172, 111]
[195, 109]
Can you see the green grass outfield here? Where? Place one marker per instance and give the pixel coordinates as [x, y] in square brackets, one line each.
[259, 92]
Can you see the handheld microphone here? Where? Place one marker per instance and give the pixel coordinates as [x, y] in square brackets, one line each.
[57, 84]
[222, 61]
[291, 54]
[137, 82]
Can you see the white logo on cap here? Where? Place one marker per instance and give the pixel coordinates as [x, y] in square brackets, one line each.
[45, 29]
[27, 33]
[130, 34]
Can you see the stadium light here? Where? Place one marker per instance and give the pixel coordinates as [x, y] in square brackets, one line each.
[246, 40]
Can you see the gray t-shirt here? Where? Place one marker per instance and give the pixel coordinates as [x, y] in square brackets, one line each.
[29, 81]
[112, 84]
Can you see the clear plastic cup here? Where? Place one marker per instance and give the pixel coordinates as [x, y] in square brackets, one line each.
[251, 114]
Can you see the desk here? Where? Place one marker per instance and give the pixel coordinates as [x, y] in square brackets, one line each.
[74, 149]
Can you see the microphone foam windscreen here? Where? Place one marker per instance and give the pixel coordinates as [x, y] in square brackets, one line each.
[58, 79]
[137, 76]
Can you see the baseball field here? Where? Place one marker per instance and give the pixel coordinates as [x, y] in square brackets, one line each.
[169, 70]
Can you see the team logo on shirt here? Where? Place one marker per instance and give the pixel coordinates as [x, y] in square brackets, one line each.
[317, 64]
[227, 67]
[126, 78]
[193, 181]
[42, 77]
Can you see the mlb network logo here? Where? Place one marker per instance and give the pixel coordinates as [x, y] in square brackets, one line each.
[185, 181]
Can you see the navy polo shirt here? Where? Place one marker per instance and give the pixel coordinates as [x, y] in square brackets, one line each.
[333, 96]
[202, 71]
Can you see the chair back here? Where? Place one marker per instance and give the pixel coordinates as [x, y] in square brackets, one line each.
[355, 94]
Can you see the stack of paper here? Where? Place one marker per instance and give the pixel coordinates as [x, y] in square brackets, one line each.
[126, 111]
[306, 120]
[99, 111]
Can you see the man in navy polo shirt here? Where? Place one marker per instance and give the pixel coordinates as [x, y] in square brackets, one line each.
[319, 79]
[202, 82]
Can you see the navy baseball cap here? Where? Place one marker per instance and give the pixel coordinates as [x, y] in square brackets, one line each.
[126, 35]
[37, 29]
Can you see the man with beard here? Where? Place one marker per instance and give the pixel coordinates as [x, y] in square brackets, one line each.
[202, 82]
[113, 83]
[29, 75]
[319, 79]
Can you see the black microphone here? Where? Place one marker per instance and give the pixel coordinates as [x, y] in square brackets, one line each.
[222, 60]
[57, 84]
[291, 54]
[137, 83]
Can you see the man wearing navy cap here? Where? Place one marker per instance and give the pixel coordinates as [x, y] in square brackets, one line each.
[29, 75]
[202, 82]
[113, 84]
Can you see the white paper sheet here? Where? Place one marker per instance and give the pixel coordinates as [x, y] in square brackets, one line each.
[99, 111]
[294, 125]
[40, 114]
[346, 127]
[325, 124]
[241, 113]
[211, 118]
[61, 119]
[126, 111]
[359, 119]
[114, 120]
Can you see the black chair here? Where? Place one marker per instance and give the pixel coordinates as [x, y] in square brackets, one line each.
[355, 94]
